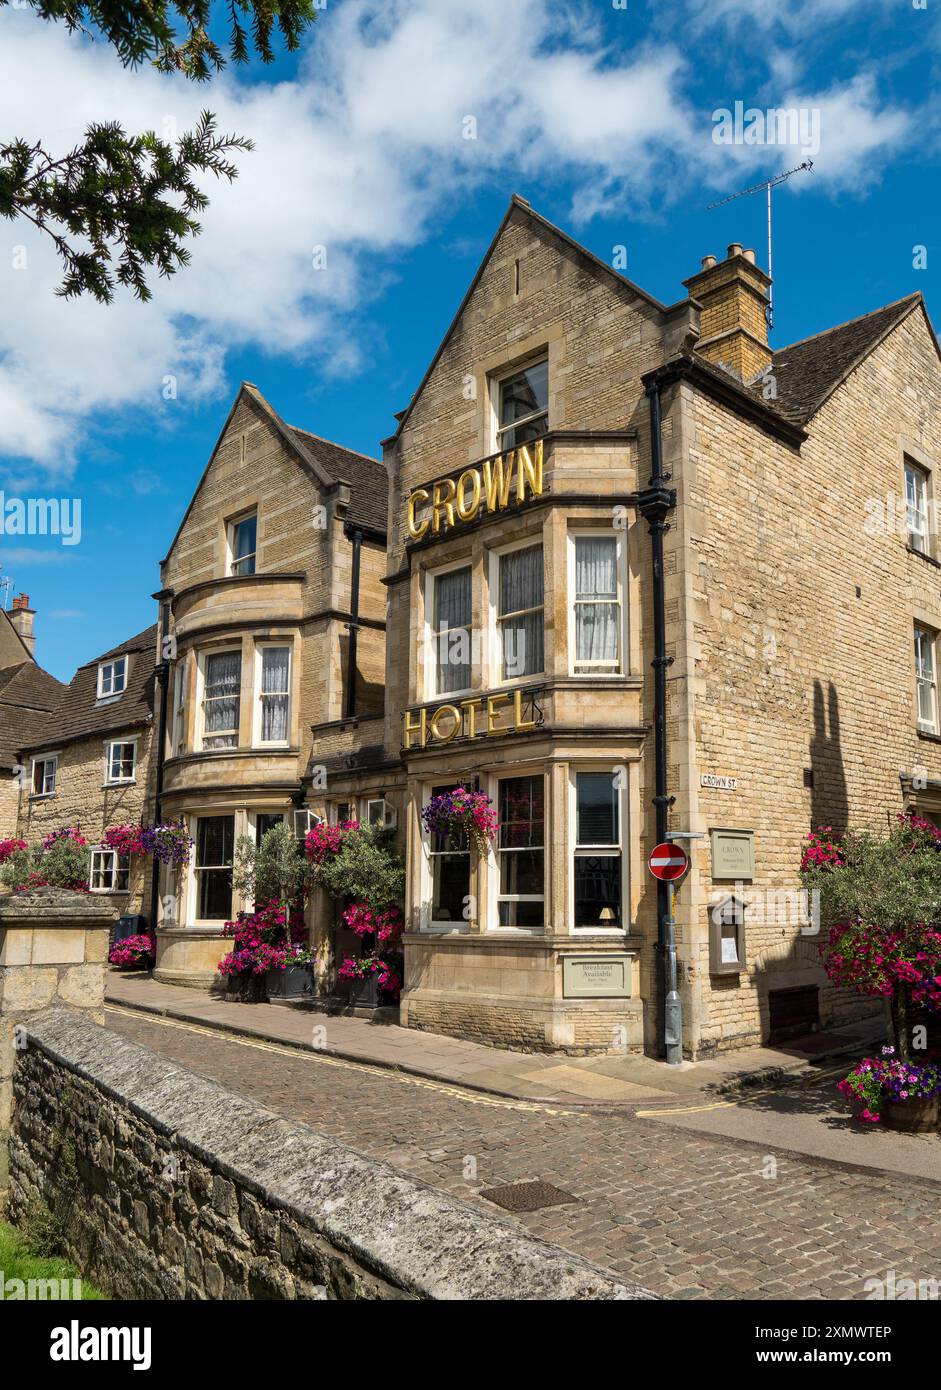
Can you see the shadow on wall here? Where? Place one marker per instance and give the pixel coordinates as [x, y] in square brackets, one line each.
[829, 803]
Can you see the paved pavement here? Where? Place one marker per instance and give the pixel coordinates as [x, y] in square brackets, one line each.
[626, 1079]
[688, 1214]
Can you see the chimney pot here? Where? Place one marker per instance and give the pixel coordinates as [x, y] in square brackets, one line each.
[22, 620]
[708, 262]
[735, 249]
[749, 255]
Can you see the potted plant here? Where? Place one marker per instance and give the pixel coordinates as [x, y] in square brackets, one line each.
[880, 900]
[461, 814]
[359, 869]
[290, 977]
[133, 953]
[904, 1095]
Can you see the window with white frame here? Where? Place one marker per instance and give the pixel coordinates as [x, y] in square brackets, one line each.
[112, 677]
[222, 684]
[522, 405]
[520, 852]
[597, 616]
[926, 680]
[598, 851]
[449, 601]
[178, 736]
[212, 868]
[274, 695]
[109, 871]
[243, 544]
[916, 507]
[44, 775]
[449, 865]
[520, 612]
[121, 760]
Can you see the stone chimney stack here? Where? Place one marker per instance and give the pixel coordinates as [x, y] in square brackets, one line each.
[733, 295]
[22, 619]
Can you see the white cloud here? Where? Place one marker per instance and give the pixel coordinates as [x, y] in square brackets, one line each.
[792, 16]
[360, 154]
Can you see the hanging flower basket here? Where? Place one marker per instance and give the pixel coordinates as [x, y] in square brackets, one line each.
[170, 842]
[461, 813]
[325, 841]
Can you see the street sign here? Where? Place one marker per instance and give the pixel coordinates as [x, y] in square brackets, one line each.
[668, 861]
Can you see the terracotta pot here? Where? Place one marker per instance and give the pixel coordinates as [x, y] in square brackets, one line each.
[916, 1116]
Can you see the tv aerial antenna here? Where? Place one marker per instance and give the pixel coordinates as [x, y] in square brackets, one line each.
[767, 185]
[6, 583]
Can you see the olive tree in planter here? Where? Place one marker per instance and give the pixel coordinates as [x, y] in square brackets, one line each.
[359, 868]
[879, 901]
[270, 942]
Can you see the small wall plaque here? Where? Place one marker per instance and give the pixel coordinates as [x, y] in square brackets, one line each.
[733, 854]
[596, 977]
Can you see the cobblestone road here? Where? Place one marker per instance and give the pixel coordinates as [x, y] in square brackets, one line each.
[688, 1215]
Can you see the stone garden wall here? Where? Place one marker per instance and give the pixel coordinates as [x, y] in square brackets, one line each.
[169, 1186]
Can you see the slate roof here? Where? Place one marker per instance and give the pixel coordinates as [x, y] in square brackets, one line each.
[82, 715]
[29, 699]
[367, 477]
[808, 372]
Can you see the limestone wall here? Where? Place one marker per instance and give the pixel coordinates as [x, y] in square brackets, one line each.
[172, 1187]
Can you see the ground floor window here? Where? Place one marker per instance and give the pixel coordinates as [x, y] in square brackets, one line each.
[449, 857]
[215, 843]
[265, 821]
[109, 871]
[521, 852]
[598, 850]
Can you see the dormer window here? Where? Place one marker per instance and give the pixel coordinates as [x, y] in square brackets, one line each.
[112, 677]
[523, 405]
[243, 539]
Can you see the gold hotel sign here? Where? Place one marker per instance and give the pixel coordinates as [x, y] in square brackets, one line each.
[473, 718]
[450, 502]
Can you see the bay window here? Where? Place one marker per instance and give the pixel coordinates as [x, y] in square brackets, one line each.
[521, 852]
[178, 732]
[215, 844]
[274, 697]
[926, 680]
[450, 605]
[520, 612]
[222, 699]
[598, 851]
[596, 591]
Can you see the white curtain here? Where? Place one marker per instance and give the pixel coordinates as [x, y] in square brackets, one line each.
[452, 619]
[596, 608]
[223, 681]
[521, 587]
[275, 663]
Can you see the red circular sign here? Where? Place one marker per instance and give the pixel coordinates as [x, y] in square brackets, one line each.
[668, 861]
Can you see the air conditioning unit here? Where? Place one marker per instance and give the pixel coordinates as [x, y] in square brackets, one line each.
[305, 821]
[381, 813]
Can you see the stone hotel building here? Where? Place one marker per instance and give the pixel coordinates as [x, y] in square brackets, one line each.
[626, 568]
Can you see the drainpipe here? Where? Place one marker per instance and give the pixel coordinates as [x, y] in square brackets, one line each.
[655, 504]
[352, 627]
[162, 678]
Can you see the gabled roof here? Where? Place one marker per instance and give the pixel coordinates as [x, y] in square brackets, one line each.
[82, 715]
[14, 640]
[809, 371]
[367, 478]
[327, 463]
[522, 208]
[29, 700]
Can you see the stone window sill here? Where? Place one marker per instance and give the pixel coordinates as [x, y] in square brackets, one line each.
[928, 737]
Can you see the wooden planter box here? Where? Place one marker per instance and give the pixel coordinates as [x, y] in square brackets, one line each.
[919, 1116]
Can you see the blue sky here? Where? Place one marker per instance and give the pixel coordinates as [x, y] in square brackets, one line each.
[602, 114]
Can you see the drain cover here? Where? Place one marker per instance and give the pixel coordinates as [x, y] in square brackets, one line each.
[528, 1196]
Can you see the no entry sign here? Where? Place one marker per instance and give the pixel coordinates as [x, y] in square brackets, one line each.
[668, 861]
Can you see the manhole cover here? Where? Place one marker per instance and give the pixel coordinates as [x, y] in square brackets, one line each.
[528, 1196]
